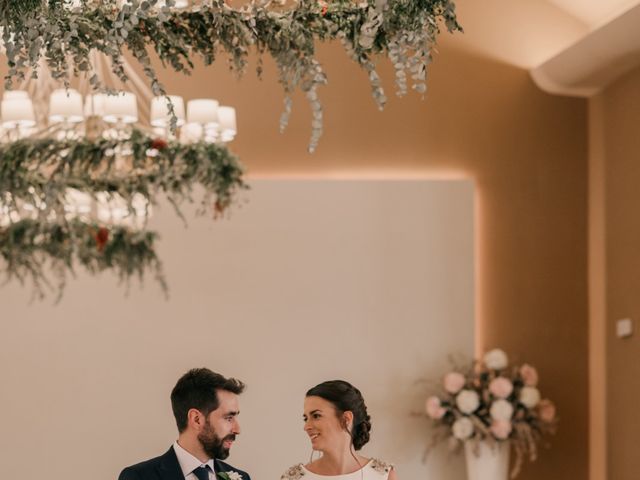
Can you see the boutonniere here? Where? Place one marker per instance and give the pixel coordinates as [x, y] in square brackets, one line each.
[230, 475]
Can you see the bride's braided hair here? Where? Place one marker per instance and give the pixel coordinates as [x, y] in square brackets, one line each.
[345, 397]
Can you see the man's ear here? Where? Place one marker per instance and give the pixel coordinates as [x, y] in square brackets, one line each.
[195, 419]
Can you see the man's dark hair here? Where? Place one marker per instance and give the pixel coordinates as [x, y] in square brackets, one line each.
[198, 388]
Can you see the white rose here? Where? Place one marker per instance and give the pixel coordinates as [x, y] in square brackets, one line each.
[462, 428]
[234, 475]
[496, 359]
[529, 396]
[501, 410]
[468, 401]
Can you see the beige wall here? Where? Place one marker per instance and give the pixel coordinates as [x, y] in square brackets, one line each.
[527, 155]
[367, 281]
[526, 152]
[620, 111]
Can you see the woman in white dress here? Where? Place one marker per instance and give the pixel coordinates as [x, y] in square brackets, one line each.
[336, 420]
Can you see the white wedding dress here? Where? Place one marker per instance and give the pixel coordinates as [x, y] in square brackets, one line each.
[374, 470]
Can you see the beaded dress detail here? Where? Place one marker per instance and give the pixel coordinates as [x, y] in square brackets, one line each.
[375, 469]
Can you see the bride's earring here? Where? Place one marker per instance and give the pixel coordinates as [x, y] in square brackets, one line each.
[311, 457]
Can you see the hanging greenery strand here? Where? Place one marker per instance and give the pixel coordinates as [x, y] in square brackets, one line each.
[47, 253]
[403, 30]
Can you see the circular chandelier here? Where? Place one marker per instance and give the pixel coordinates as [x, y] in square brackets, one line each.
[79, 175]
[79, 170]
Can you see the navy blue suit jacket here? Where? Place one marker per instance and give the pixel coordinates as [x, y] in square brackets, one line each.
[166, 467]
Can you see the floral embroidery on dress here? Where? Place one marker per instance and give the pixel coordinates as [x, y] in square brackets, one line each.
[294, 473]
[380, 466]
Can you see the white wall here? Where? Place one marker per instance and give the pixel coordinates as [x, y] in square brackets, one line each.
[368, 281]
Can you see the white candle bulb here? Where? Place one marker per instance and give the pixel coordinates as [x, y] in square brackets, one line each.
[160, 116]
[65, 106]
[227, 118]
[12, 94]
[203, 111]
[121, 108]
[17, 112]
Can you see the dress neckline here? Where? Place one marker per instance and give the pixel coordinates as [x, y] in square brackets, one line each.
[342, 474]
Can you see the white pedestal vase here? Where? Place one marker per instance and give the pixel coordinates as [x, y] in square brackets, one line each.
[488, 461]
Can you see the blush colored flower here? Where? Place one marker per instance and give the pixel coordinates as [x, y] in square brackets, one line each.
[496, 359]
[547, 411]
[462, 428]
[529, 396]
[501, 387]
[434, 408]
[501, 429]
[453, 382]
[529, 375]
[468, 401]
[501, 410]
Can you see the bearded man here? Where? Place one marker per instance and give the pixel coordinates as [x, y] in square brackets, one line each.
[205, 405]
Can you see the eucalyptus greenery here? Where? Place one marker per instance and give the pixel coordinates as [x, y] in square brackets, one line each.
[39, 171]
[47, 253]
[403, 30]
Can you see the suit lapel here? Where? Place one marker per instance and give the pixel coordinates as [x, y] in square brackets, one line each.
[220, 467]
[169, 468]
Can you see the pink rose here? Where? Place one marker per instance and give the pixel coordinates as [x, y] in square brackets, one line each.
[547, 411]
[453, 382]
[501, 387]
[434, 408]
[529, 375]
[501, 429]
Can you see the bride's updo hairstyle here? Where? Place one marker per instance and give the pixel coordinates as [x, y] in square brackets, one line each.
[345, 397]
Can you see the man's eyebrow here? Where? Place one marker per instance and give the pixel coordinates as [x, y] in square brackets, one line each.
[232, 413]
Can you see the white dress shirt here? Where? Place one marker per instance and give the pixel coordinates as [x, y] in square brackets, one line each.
[188, 463]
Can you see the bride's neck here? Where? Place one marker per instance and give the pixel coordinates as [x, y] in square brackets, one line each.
[340, 462]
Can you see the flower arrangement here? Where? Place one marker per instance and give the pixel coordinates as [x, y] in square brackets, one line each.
[489, 401]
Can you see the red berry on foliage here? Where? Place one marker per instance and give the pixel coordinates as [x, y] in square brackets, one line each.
[102, 237]
[159, 144]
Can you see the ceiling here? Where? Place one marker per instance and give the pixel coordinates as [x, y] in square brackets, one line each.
[571, 47]
[594, 13]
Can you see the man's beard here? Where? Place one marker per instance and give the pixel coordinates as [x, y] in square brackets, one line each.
[212, 444]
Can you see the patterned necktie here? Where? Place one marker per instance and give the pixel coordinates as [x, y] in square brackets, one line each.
[202, 472]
